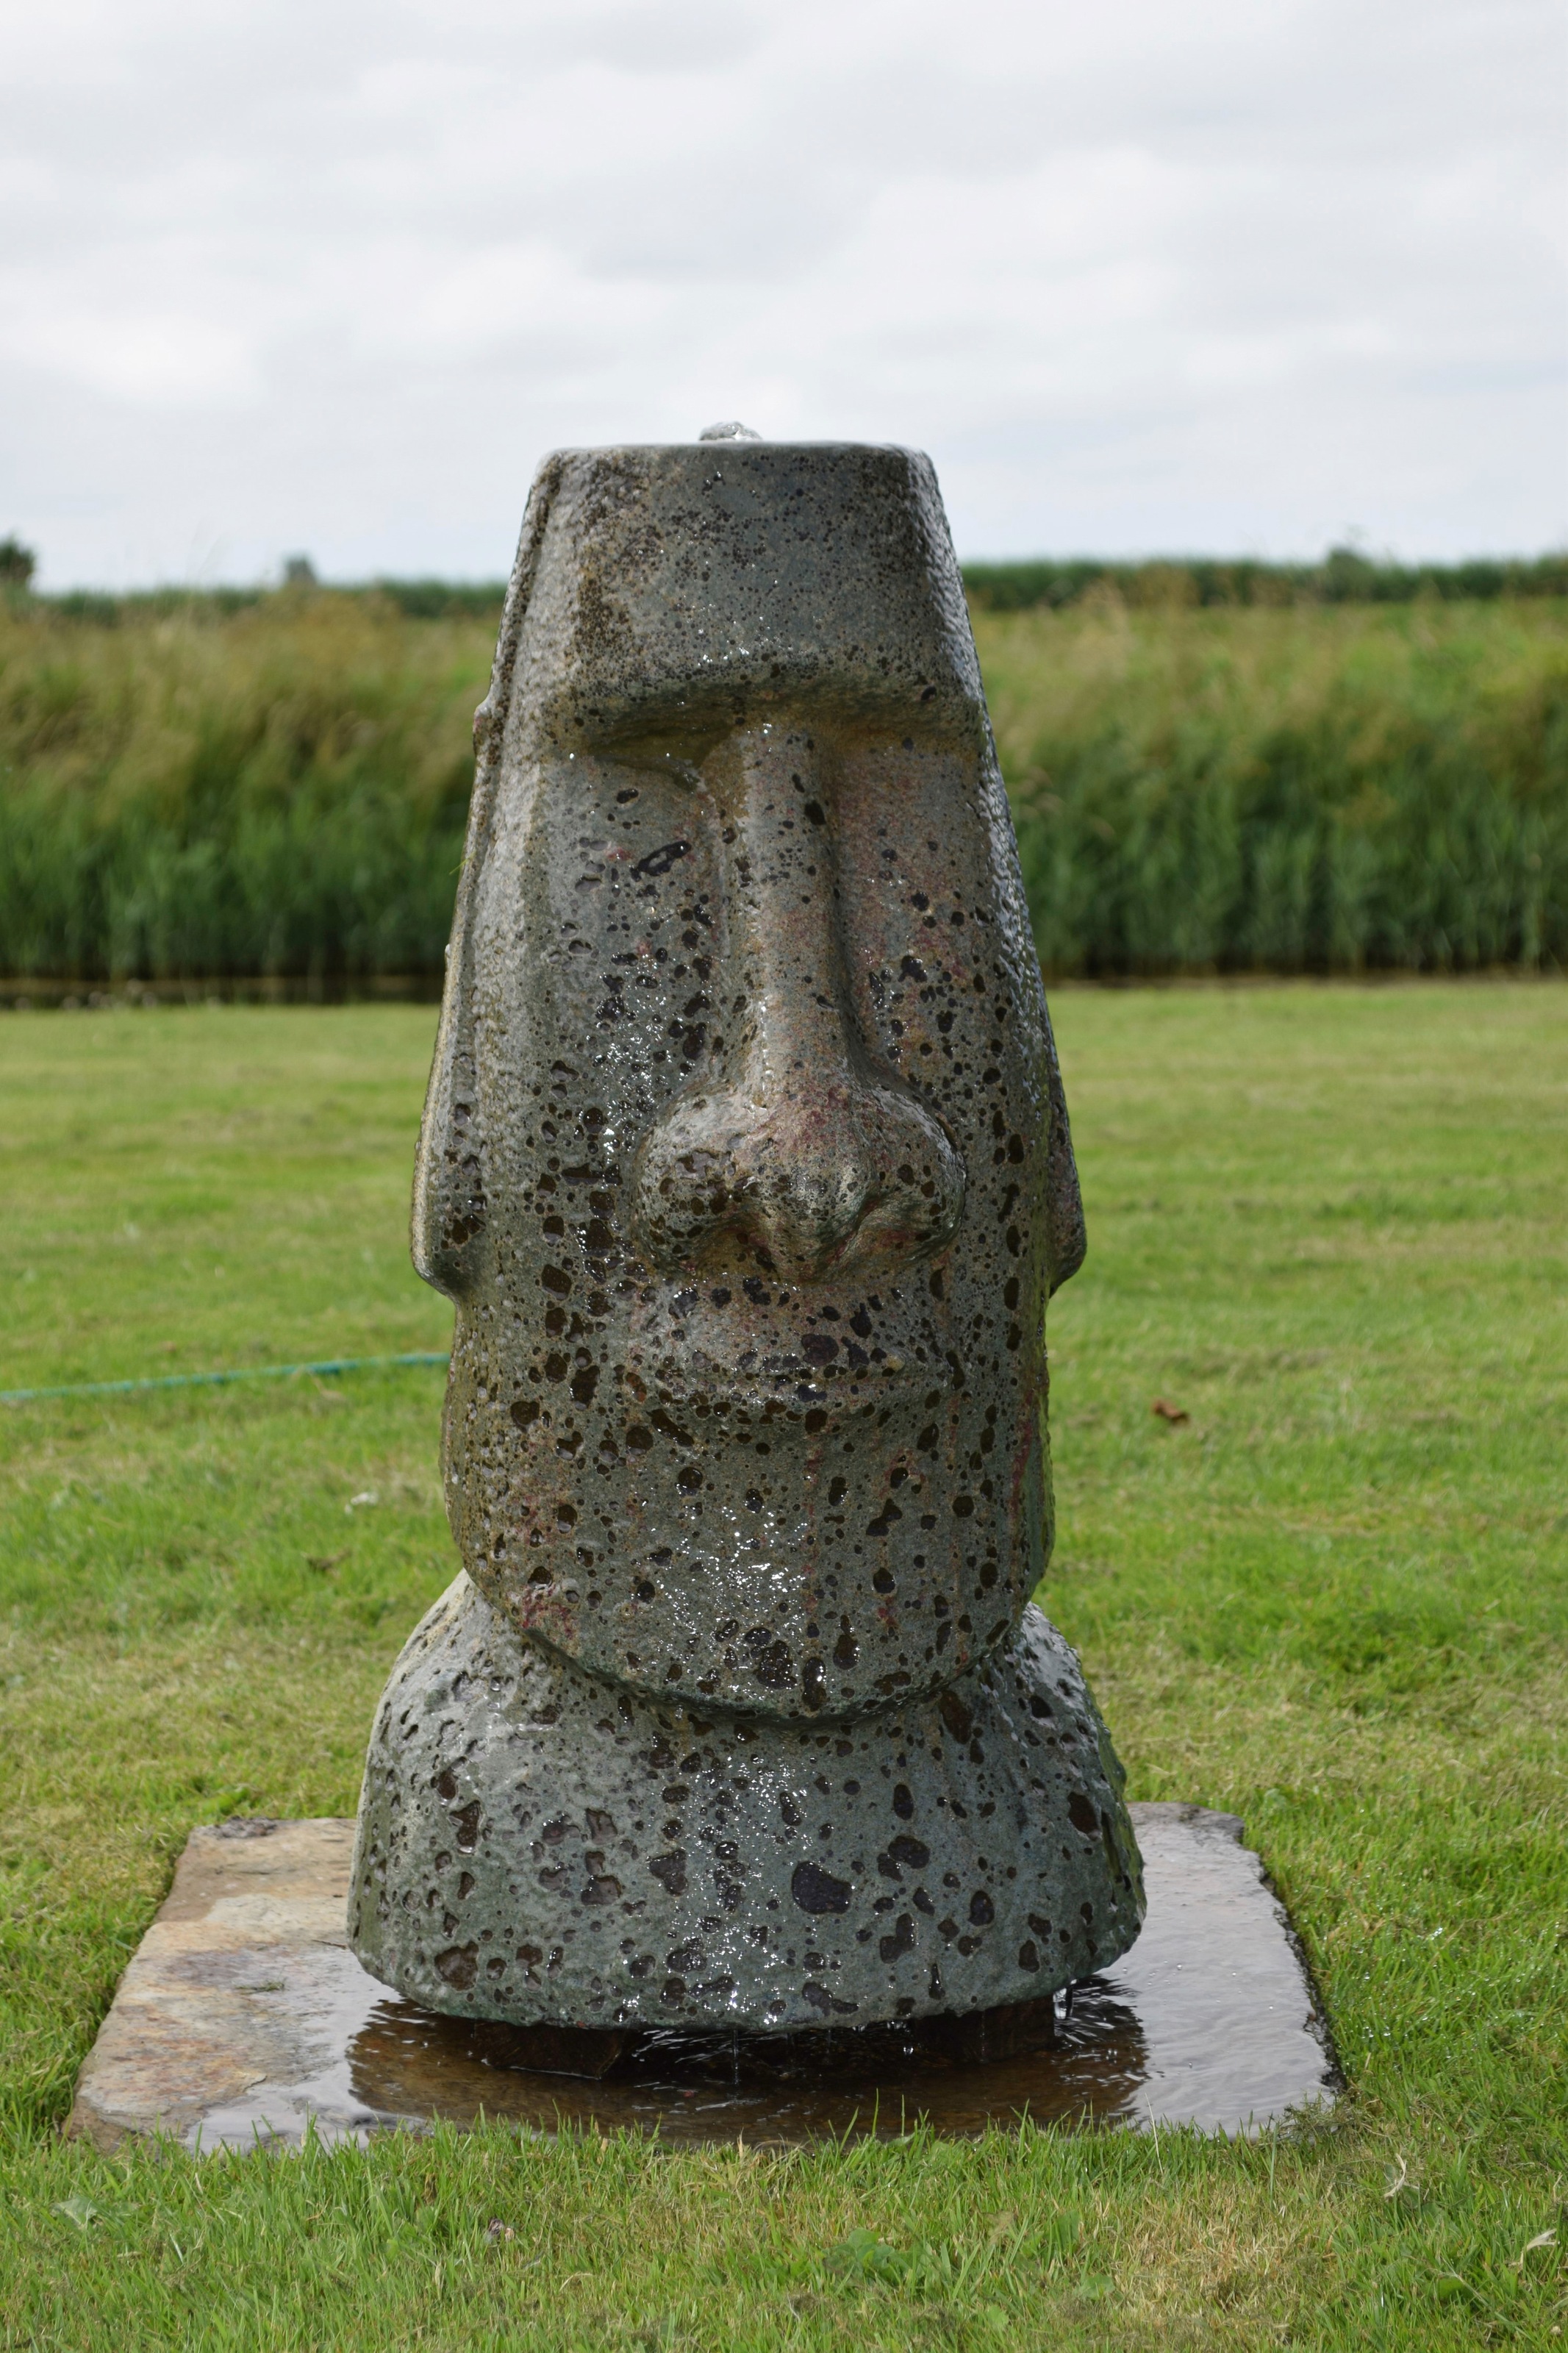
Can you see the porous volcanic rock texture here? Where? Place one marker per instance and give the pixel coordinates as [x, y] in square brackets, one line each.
[746, 1164]
[534, 1843]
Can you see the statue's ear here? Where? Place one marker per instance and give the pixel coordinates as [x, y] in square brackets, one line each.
[1066, 1240]
[448, 1228]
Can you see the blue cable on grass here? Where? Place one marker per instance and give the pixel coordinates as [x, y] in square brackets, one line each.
[212, 1380]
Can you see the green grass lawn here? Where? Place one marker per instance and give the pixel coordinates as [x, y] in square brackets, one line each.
[1327, 1222]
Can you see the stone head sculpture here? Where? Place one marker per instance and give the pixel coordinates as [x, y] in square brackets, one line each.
[746, 1164]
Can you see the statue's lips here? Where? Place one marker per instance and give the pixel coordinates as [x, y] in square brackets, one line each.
[868, 1351]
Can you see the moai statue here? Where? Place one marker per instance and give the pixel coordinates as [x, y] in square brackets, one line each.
[746, 1164]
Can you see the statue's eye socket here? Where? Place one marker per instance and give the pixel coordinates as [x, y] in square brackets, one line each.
[677, 753]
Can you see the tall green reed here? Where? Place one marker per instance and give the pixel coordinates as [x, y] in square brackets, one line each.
[1324, 789]
[280, 791]
[278, 787]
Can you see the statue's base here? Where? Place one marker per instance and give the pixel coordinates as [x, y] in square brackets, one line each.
[244, 2016]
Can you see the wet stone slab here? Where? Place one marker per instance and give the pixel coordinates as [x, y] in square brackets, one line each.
[244, 2016]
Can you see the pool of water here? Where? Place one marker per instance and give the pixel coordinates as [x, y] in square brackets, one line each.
[1210, 2019]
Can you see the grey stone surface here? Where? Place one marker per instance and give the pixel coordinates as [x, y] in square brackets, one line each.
[746, 1164]
[667, 1868]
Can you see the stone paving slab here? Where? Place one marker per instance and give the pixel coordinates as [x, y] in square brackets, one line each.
[243, 2017]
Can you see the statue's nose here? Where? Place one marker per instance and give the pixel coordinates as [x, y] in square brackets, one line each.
[801, 1152]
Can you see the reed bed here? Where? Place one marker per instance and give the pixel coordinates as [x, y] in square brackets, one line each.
[277, 790]
[1322, 789]
[218, 788]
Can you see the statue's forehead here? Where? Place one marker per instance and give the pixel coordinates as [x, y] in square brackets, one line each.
[697, 579]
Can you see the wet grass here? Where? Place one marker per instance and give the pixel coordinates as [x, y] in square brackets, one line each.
[1327, 1224]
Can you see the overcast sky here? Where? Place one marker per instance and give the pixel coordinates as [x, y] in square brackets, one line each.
[1142, 275]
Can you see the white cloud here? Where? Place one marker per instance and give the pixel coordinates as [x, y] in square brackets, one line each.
[1230, 275]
